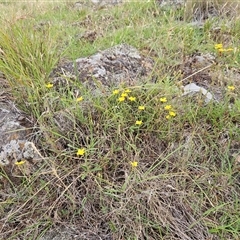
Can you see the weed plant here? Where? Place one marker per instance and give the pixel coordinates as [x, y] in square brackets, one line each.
[140, 162]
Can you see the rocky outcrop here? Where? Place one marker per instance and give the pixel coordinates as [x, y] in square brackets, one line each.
[118, 65]
[12, 133]
[15, 147]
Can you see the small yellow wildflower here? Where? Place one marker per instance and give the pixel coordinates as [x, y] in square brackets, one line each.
[225, 49]
[80, 152]
[168, 107]
[141, 108]
[127, 91]
[163, 100]
[132, 99]
[121, 99]
[218, 46]
[79, 99]
[20, 162]
[124, 95]
[231, 88]
[115, 92]
[138, 122]
[49, 85]
[168, 117]
[134, 164]
[172, 114]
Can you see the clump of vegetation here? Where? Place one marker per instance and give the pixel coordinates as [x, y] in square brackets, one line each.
[200, 10]
[143, 162]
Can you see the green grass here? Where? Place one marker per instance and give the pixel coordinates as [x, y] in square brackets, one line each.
[186, 184]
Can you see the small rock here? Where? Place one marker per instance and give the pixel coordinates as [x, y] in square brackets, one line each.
[192, 88]
[17, 150]
[11, 127]
[106, 2]
[171, 3]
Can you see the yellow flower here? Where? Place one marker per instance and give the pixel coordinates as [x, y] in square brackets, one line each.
[141, 108]
[134, 164]
[121, 99]
[168, 117]
[163, 99]
[225, 49]
[231, 88]
[168, 107]
[79, 99]
[124, 95]
[132, 99]
[80, 152]
[218, 46]
[20, 162]
[172, 114]
[49, 85]
[138, 122]
[115, 92]
[127, 91]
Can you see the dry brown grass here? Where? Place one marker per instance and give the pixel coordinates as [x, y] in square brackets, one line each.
[199, 10]
[186, 184]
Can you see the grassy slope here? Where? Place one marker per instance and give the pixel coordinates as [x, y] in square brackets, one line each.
[187, 178]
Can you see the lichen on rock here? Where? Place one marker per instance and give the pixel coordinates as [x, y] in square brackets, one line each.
[14, 132]
[121, 64]
[17, 150]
